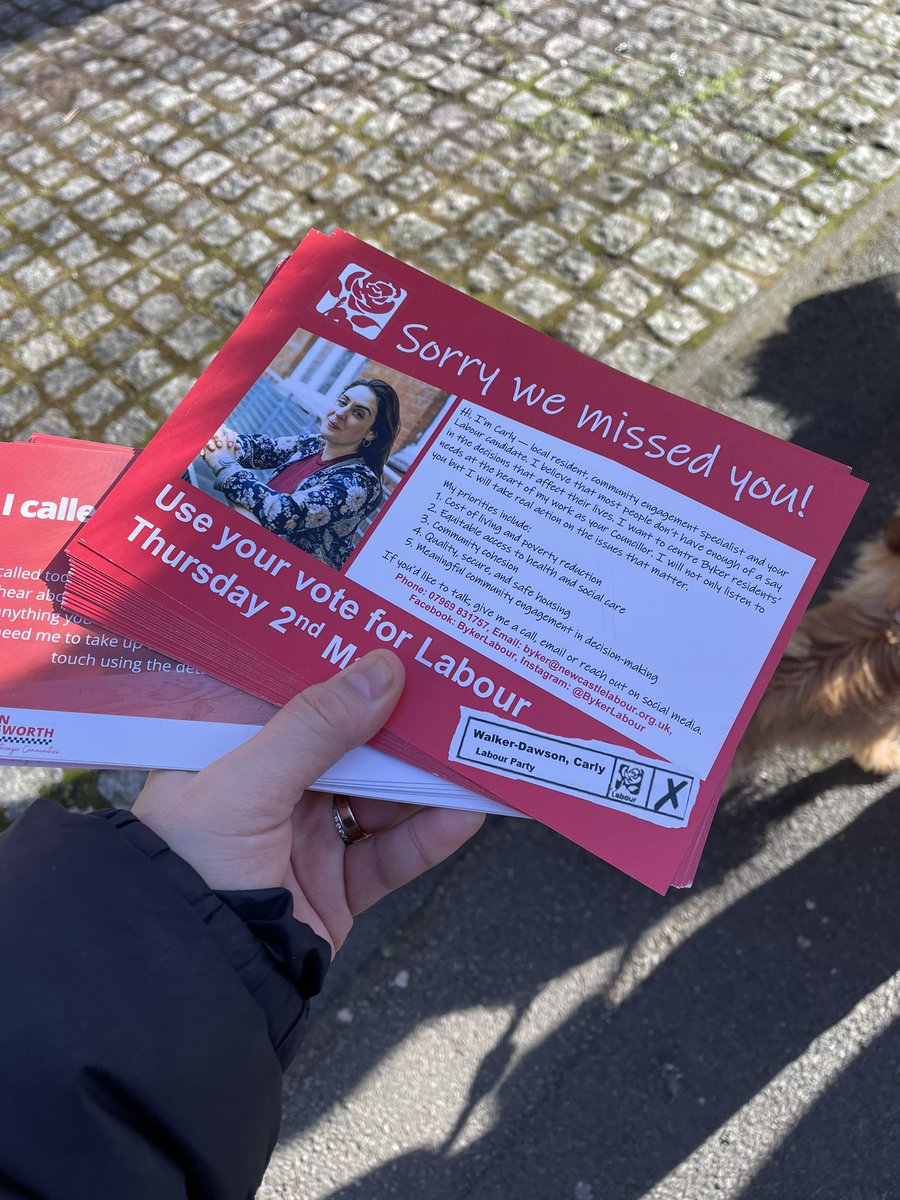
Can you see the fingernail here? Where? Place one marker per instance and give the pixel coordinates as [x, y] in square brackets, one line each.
[371, 676]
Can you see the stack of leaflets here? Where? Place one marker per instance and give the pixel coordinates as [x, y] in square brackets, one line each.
[589, 580]
[74, 694]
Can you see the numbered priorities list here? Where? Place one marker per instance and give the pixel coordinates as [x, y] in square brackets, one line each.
[636, 604]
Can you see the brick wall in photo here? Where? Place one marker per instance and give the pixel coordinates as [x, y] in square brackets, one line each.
[419, 403]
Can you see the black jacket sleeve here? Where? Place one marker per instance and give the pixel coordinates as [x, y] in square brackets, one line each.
[144, 1020]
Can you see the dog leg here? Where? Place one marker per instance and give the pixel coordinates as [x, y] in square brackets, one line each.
[881, 756]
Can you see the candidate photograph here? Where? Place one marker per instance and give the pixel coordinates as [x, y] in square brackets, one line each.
[318, 444]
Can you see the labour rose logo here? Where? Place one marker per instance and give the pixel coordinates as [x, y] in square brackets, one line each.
[364, 303]
[630, 778]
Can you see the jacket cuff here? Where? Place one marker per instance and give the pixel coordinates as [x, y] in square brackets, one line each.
[281, 961]
[227, 471]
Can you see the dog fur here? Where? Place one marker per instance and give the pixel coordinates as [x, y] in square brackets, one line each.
[838, 684]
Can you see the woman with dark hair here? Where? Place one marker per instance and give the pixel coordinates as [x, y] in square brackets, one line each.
[325, 486]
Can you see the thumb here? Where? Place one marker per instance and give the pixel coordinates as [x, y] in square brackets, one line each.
[311, 732]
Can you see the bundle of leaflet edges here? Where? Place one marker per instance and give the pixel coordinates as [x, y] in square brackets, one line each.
[590, 580]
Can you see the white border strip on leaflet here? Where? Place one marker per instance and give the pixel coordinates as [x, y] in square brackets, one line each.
[37, 737]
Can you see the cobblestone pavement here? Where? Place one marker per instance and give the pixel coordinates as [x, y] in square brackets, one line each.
[623, 175]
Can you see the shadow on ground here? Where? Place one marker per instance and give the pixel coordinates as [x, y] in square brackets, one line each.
[37, 17]
[623, 1095]
[845, 1141]
[835, 371]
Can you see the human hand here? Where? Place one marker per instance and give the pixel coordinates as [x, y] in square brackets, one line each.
[221, 448]
[246, 820]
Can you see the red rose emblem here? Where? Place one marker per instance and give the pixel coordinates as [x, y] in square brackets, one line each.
[364, 303]
[371, 296]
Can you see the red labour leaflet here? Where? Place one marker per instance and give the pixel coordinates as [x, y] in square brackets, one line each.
[589, 580]
[70, 692]
[75, 694]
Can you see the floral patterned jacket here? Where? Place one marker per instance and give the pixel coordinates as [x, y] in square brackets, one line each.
[322, 517]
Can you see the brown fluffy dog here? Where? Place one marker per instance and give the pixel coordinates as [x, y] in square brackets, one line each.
[838, 684]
